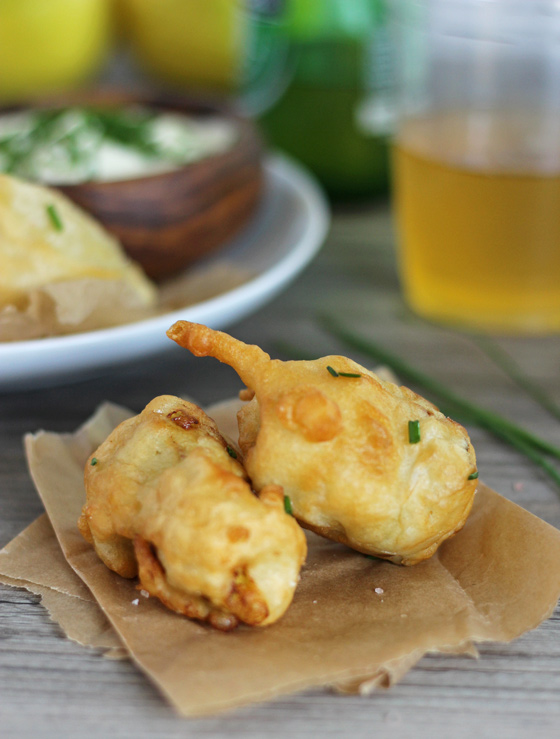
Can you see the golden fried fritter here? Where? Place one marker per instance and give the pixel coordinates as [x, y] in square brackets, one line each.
[168, 500]
[363, 461]
[35, 252]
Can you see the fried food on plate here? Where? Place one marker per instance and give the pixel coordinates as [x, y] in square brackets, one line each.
[45, 239]
[363, 461]
[167, 499]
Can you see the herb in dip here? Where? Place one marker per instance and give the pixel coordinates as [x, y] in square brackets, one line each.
[70, 145]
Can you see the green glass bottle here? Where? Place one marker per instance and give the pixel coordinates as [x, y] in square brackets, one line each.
[333, 111]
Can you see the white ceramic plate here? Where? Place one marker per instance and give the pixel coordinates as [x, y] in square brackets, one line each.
[285, 234]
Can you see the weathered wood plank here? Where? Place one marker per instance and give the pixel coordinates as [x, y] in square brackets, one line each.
[50, 687]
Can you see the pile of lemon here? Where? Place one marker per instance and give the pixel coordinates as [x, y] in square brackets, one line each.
[50, 46]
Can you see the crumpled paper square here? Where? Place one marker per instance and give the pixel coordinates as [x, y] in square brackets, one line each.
[355, 623]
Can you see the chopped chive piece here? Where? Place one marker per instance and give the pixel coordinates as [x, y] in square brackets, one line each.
[414, 432]
[288, 506]
[471, 412]
[334, 373]
[231, 451]
[457, 407]
[473, 476]
[54, 217]
[93, 461]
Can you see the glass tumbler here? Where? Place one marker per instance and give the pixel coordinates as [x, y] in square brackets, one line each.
[476, 161]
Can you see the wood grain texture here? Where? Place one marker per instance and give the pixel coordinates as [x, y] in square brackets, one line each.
[50, 687]
[166, 222]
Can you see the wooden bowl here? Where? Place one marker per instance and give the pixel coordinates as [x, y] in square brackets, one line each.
[167, 221]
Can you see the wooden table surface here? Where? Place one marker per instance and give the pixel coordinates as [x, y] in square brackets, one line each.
[51, 687]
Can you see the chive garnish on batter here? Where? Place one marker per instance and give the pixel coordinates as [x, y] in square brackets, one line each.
[414, 432]
[54, 217]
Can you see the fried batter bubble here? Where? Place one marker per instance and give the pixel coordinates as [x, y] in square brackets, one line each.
[168, 500]
[363, 461]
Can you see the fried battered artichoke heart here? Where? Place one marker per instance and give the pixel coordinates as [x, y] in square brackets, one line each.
[340, 448]
[167, 501]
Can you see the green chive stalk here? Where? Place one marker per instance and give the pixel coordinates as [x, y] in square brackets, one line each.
[508, 365]
[506, 436]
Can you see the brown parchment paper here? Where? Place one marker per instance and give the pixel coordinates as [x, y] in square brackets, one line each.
[73, 306]
[355, 623]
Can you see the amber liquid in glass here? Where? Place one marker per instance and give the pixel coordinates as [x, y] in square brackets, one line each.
[479, 234]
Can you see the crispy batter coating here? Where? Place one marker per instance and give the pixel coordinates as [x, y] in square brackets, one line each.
[340, 448]
[34, 253]
[167, 500]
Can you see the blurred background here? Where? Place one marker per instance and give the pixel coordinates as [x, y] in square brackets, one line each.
[461, 96]
[315, 74]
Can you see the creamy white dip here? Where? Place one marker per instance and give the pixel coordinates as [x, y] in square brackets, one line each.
[78, 145]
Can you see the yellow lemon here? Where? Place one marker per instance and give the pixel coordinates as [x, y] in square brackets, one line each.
[50, 45]
[188, 42]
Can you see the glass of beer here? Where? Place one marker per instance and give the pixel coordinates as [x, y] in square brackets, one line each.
[476, 162]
